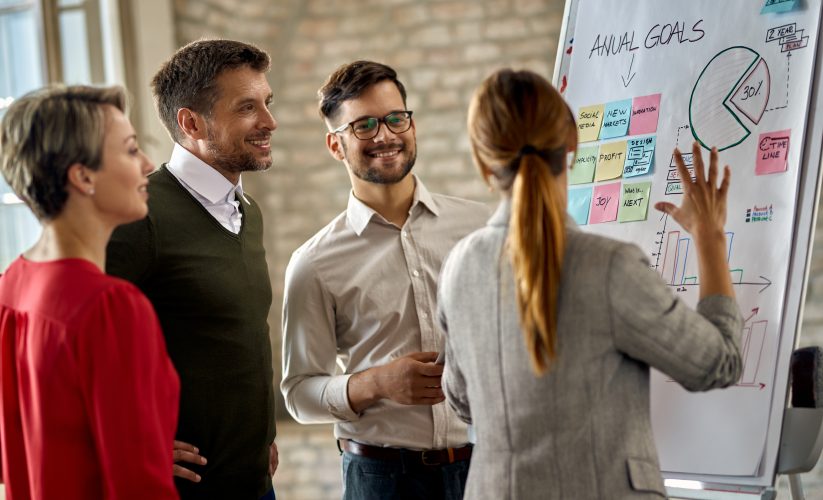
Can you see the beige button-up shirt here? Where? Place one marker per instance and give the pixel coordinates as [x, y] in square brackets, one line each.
[361, 293]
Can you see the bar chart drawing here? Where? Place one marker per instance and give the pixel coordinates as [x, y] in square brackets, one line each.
[672, 251]
[754, 336]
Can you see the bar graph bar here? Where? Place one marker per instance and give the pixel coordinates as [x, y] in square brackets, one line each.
[752, 342]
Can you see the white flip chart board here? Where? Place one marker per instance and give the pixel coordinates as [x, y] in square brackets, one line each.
[645, 76]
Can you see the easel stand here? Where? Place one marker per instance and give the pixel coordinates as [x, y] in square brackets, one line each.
[800, 445]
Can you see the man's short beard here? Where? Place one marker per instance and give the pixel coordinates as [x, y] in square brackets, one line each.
[234, 161]
[377, 176]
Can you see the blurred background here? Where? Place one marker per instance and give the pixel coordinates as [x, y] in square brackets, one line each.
[441, 49]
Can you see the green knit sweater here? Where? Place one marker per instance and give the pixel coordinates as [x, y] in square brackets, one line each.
[212, 293]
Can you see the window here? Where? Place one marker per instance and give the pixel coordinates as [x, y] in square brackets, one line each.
[48, 41]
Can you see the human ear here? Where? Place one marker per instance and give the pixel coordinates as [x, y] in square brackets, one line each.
[191, 123]
[335, 146]
[81, 178]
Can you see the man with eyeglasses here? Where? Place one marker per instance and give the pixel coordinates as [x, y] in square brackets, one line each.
[361, 293]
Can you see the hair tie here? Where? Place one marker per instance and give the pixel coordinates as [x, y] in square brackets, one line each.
[528, 149]
[553, 158]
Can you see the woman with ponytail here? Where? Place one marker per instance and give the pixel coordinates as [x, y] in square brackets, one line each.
[551, 331]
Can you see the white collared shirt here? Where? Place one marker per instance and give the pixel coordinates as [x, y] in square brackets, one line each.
[208, 186]
[361, 293]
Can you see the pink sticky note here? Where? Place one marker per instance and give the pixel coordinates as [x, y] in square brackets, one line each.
[772, 152]
[605, 200]
[645, 111]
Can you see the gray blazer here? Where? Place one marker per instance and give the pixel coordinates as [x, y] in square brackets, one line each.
[583, 430]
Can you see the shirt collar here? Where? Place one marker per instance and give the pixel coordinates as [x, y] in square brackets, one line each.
[359, 214]
[202, 177]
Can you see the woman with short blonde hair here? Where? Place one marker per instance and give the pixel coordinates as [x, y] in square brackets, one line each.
[89, 397]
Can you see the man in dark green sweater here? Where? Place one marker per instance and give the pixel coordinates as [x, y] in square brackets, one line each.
[199, 258]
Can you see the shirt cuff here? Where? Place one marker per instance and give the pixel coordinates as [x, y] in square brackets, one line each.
[337, 399]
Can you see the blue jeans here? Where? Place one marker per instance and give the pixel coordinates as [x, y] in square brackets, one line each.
[373, 479]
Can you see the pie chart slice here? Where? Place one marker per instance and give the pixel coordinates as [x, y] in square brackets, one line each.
[729, 76]
[752, 95]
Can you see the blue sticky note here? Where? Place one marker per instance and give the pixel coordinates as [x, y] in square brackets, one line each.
[778, 6]
[616, 119]
[639, 156]
[579, 201]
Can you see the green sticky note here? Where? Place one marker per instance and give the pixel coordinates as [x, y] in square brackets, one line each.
[582, 171]
[634, 203]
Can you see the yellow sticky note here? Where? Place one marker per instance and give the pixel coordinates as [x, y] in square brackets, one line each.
[610, 161]
[589, 119]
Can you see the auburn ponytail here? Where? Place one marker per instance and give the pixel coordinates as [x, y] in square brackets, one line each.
[536, 240]
[520, 130]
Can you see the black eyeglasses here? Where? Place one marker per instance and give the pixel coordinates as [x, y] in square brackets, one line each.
[368, 127]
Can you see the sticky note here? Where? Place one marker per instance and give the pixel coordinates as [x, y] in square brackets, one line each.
[579, 201]
[639, 156]
[589, 119]
[583, 169]
[634, 202]
[616, 118]
[605, 199]
[778, 6]
[610, 161]
[645, 112]
[772, 152]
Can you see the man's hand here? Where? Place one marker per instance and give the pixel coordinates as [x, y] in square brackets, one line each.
[413, 379]
[274, 458]
[184, 452]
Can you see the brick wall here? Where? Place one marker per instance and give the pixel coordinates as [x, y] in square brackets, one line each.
[441, 50]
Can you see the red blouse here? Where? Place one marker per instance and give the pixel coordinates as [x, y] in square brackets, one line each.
[89, 396]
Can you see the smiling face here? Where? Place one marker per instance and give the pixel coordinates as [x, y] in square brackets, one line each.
[387, 158]
[120, 183]
[239, 127]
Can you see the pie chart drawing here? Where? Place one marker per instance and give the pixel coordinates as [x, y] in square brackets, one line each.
[729, 98]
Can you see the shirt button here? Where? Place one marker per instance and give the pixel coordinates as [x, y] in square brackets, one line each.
[405, 234]
[424, 315]
[416, 273]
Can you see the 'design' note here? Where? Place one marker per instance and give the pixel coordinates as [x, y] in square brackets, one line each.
[610, 161]
[605, 200]
[639, 156]
[616, 118]
[634, 203]
[583, 169]
[578, 204]
[645, 113]
[589, 119]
